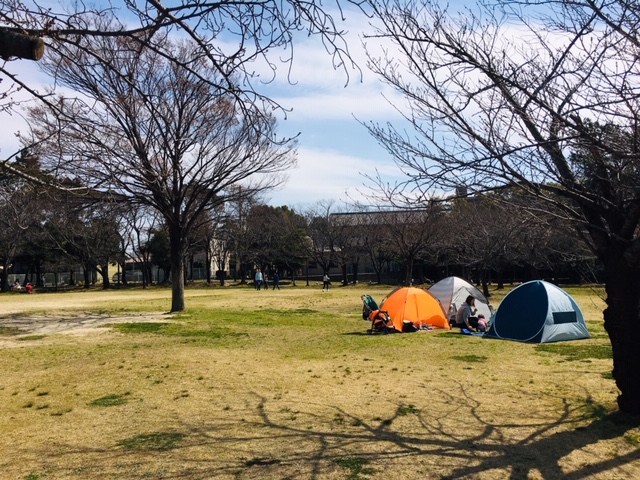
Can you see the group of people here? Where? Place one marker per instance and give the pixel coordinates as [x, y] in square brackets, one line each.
[466, 317]
[17, 287]
[261, 280]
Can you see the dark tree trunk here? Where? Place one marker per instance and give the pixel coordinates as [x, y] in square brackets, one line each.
[39, 276]
[106, 281]
[145, 276]
[177, 270]
[345, 278]
[86, 272]
[123, 274]
[485, 284]
[621, 319]
[408, 279]
[223, 266]
[4, 276]
[500, 279]
[208, 262]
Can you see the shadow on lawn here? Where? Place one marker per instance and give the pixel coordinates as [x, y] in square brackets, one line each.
[459, 452]
[541, 450]
[458, 446]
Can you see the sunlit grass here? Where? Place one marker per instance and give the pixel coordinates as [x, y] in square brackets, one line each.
[288, 384]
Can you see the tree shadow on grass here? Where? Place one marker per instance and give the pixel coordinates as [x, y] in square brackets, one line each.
[485, 446]
[315, 441]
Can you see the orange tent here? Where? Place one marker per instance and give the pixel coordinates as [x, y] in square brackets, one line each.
[416, 305]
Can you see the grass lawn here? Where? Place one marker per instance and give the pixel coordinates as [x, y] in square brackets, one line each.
[287, 385]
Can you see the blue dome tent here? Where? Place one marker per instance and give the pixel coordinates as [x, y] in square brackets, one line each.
[538, 312]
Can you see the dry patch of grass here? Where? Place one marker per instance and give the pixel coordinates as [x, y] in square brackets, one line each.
[287, 384]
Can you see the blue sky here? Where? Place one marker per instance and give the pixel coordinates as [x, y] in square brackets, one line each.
[334, 150]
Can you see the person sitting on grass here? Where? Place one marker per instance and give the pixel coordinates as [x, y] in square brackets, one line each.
[465, 316]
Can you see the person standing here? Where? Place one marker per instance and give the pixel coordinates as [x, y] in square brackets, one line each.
[326, 281]
[265, 281]
[465, 317]
[276, 281]
[258, 279]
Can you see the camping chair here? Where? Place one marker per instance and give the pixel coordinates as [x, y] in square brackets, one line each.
[380, 320]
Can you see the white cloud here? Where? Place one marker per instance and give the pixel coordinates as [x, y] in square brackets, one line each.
[330, 175]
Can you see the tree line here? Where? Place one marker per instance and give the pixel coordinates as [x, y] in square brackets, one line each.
[47, 230]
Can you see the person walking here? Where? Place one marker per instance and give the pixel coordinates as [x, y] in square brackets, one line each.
[326, 281]
[276, 281]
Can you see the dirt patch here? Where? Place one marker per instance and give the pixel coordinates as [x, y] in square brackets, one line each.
[12, 329]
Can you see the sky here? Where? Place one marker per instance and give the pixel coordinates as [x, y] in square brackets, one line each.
[334, 150]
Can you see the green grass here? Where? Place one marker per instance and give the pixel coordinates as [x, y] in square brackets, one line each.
[28, 338]
[146, 327]
[356, 466]
[408, 410]
[110, 400]
[577, 351]
[289, 385]
[193, 329]
[9, 331]
[470, 358]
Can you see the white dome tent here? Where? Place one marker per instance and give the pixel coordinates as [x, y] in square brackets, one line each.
[453, 291]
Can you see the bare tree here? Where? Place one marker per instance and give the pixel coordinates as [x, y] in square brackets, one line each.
[411, 235]
[323, 245]
[503, 96]
[346, 239]
[17, 216]
[153, 133]
[231, 37]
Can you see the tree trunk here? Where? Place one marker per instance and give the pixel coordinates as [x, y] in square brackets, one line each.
[621, 318]
[500, 279]
[485, 283]
[345, 278]
[177, 271]
[86, 272]
[222, 267]
[207, 262]
[106, 281]
[408, 279]
[39, 276]
[4, 276]
[123, 274]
